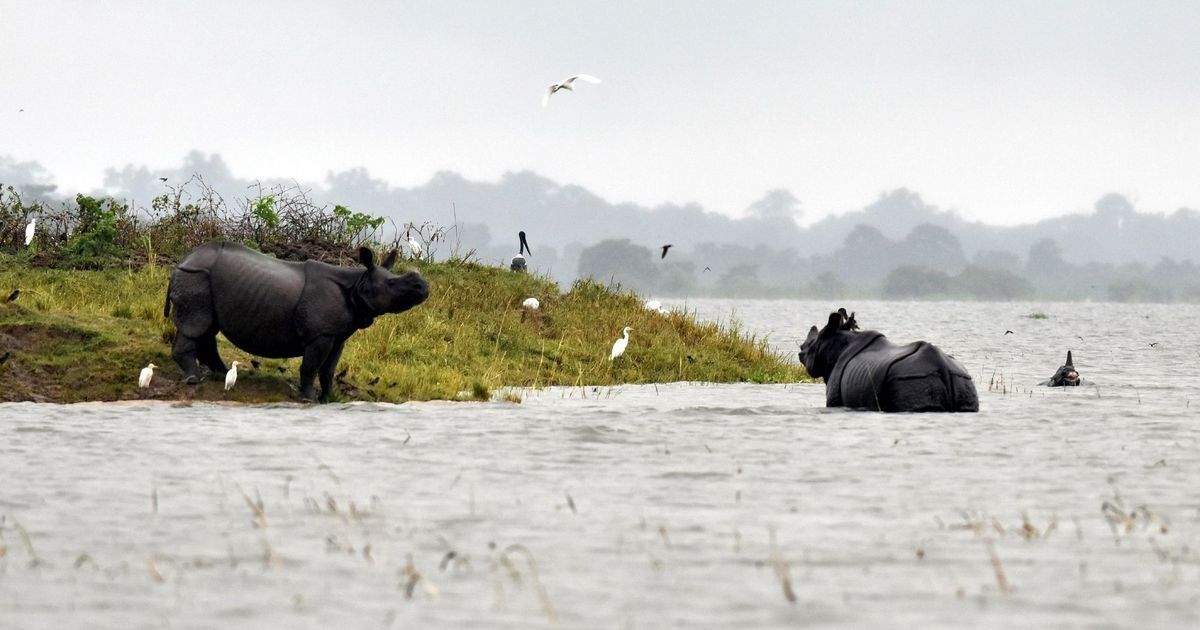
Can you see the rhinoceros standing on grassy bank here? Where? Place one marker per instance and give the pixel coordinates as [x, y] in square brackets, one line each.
[275, 308]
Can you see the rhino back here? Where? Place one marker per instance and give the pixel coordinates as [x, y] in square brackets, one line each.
[255, 298]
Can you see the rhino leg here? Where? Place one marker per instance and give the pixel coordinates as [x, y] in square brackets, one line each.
[184, 353]
[315, 355]
[194, 320]
[208, 355]
[328, 368]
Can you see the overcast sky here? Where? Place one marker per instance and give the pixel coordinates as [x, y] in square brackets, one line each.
[1006, 111]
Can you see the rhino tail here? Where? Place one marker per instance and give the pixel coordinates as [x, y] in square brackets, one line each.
[167, 302]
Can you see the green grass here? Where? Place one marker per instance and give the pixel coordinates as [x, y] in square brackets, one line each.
[1037, 315]
[84, 335]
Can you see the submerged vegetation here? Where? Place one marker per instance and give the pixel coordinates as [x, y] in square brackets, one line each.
[89, 314]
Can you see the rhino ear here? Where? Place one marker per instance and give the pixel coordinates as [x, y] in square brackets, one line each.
[366, 257]
[833, 325]
[1069, 362]
[390, 259]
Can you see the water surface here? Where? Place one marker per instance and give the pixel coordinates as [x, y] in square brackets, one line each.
[640, 507]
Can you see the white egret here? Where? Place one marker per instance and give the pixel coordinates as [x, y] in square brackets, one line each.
[29, 229]
[231, 376]
[146, 375]
[531, 303]
[619, 345]
[566, 84]
[653, 305]
[414, 246]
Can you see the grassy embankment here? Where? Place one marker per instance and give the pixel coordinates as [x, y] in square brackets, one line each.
[84, 335]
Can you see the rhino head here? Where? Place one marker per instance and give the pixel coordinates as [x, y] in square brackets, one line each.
[822, 348]
[380, 291]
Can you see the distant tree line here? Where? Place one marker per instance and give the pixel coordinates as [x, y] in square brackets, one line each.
[928, 263]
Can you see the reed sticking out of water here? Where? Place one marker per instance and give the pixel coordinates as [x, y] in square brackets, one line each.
[782, 570]
[543, 596]
[413, 576]
[1001, 579]
[256, 507]
[152, 569]
[34, 560]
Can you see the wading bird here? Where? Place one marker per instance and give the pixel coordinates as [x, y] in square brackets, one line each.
[619, 345]
[29, 230]
[518, 262]
[146, 375]
[231, 376]
[566, 84]
[414, 246]
[531, 303]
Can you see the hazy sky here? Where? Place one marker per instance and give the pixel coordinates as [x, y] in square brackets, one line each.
[1006, 111]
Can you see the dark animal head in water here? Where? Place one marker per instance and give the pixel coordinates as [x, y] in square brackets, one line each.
[1066, 376]
[382, 291]
[822, 348]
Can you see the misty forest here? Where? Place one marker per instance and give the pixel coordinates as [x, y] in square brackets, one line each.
[897, 247]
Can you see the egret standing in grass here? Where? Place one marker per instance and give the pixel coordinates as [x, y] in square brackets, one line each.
[531, 303]
[231, 376]
[29, 229]
[619, 345]
[566, 84]
[414, 246]
[146, 375]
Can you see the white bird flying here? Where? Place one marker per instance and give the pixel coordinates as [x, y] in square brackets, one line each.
[566, 84]
[29, 230]
[619, 345]
[531, 303]
[146, 375]
[231, 376]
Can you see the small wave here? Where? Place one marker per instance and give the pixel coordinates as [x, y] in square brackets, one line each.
[694, 474]
[599, 434]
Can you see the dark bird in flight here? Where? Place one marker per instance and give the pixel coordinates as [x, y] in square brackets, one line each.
[664, 251]
[524, 244]
[1078, 337]
[1008, 332]
[1154, 345]
[708, 269]
[162, 179]
[12, 297]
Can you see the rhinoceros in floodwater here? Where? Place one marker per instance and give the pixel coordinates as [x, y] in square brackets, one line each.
[863, 370]
[276, 308]
[1066, 376]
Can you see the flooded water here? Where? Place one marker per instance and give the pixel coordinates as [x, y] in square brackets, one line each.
[641, 507]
